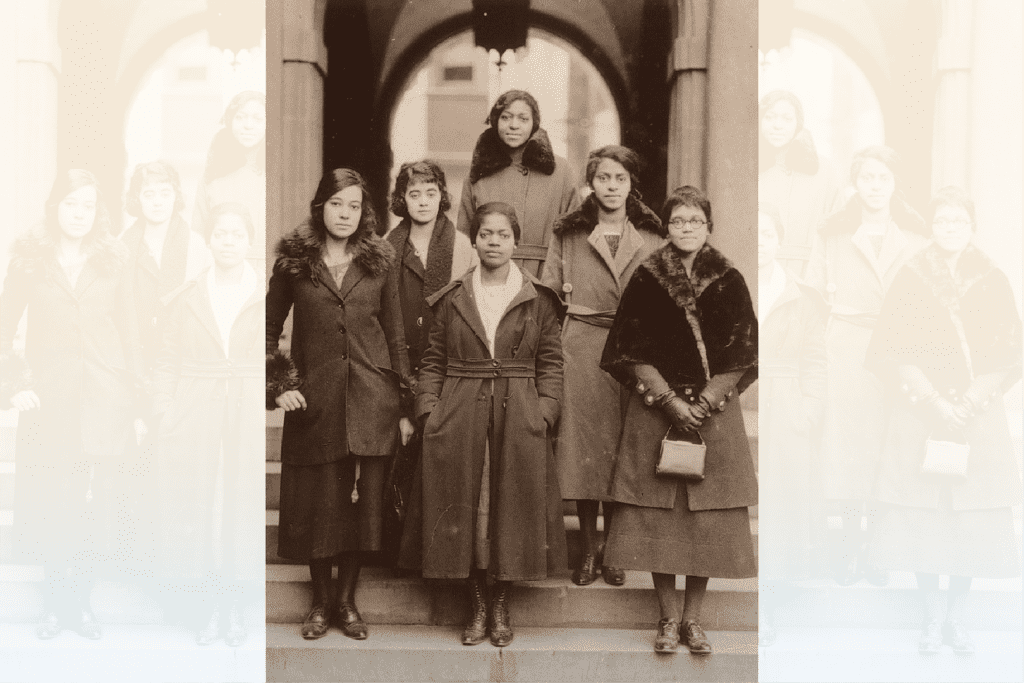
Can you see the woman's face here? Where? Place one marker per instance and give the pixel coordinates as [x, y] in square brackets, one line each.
[76, 213]
[249, 124]
[952, 228]
[875, 184]
[611, 184]
[779, 123]
[229, 241]
[767, 240]
[495, 241]
[515, 124]
[688, 229]
[157, 201]
[422, 201]
[343, 211]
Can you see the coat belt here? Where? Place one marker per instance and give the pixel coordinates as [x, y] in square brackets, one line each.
[603, 319]
[488, 368]
[778, 368]
[224, 369]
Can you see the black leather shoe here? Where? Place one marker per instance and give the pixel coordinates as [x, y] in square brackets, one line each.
[668, 636]
[209, 634]
[501, 624]
[476, 630]
[848, 571]
[613, 576]
[351, 623]
[931, 638]
[695, 638]
[235, 634]
[587, 572]
[955, 634]
[49, 627]
[87, 625]
[316, 623]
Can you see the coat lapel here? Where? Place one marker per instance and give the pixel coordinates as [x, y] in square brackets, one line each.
[600, 245]
[352, 277]
[464, 301]
[412, 261]
[88, 275]
[203, 310]
[790, 292]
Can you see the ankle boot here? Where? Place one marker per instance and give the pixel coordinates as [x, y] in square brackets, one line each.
[348, 618]
[317, 621]
[235, 634]
[209, 634]
[501, 626]
[930, 641]
[955, 631]
[476, 630]
[86, 625]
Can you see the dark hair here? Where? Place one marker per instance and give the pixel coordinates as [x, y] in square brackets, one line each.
[800, 154]
[499, 208]
[687, 195]
[848, 218]
[230, 209]
[772, 211]
[64, 184]
[425, 171]
[332, 183]
[629, 159]
[227, 154]
[158, 171]
[505, 101]
[952, 195]
[886, 155]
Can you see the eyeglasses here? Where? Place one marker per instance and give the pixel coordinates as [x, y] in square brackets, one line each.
[950, 224]
[679, 222]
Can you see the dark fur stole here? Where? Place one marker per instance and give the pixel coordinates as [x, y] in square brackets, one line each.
[491, 155]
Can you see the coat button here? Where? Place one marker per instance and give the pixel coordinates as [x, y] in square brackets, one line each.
[831, 288]
[497, 373]
[721, 405]
[341, 329]
[153, 322]
[640, 388]
[687, 391]
[567, 287]
[341, 305]
[344, 356]
[419, 321]
[495, 363]
[649, 400]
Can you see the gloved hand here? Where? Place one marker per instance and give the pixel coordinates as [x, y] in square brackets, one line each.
[684, 417]
[947, 415]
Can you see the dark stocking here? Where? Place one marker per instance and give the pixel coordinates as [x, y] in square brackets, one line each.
[320, 572]
[696, 588]
[349, 565]
[668, 599]
[587, 512]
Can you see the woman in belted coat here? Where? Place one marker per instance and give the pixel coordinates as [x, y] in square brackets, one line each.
[339, 388]
[207, 391]
[75, 395]
[792, 384]
[855, 258]
[947, 347]
[684, 341]
[487, 500]
[593, 253]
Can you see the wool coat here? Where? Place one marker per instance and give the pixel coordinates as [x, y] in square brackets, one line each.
[854, 280]
[348, 354]
[509, 401]
[212, 413]
[918, 326]
[581, 267]
[76, 362]
[792, 385]
[662, 314]
[540, 189]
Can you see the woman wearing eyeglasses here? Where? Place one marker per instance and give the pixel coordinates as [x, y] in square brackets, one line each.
[684, 340]
[948, 346]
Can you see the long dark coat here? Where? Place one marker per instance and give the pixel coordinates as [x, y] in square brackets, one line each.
[656, 324]
[791, 385]
[527, 537]
[916, 327]
[212, 410]
[347, 350]
[76, 362]
[580, 266]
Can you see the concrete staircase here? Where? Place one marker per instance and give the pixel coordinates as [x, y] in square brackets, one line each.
[563, 632]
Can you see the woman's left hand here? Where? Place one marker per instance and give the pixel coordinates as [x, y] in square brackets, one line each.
[406, 429]
[141, 430]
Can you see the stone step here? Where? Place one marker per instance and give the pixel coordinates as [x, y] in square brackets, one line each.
[572, 537]
[871, 654]
[386, 597]
[129, 653]
[424, 653]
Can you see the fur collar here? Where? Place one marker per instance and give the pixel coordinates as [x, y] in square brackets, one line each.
[584, 218]
[299, 253]
[666, 265]
[929, 265]
[31, 251]
[492, 155]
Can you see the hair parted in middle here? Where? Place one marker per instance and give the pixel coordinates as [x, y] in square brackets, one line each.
[629, 159]
[690, 196]
[494, 208]
[505, 101]
[158, 171]
[230, 209]
[331, 184]
[953, 196]
[425, 171]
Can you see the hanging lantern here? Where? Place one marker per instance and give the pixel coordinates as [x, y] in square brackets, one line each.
[235, 25]
[500, 24]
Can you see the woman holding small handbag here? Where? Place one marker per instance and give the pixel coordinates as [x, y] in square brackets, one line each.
[685, 338]
[948, 346]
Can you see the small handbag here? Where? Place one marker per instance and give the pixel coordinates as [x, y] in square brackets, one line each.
[681, 456]
[947, 458]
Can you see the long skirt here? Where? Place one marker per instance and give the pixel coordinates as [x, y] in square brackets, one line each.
[682, 541]
[319, 516]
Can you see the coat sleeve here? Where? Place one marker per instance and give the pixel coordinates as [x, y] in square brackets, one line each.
[631, 339]
[549, 361]
[434, 363]
[570, 200]
[282, 375]
[168, 360]
[15, 375]
[553, 273]
[467, 207]
[729, 328]
[394, 328]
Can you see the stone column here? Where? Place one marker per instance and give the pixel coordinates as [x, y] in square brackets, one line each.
[953, 96]
[688, 78]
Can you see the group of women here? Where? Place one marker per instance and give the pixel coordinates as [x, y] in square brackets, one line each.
[882, 332]
[138, 416]
[521, 389]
